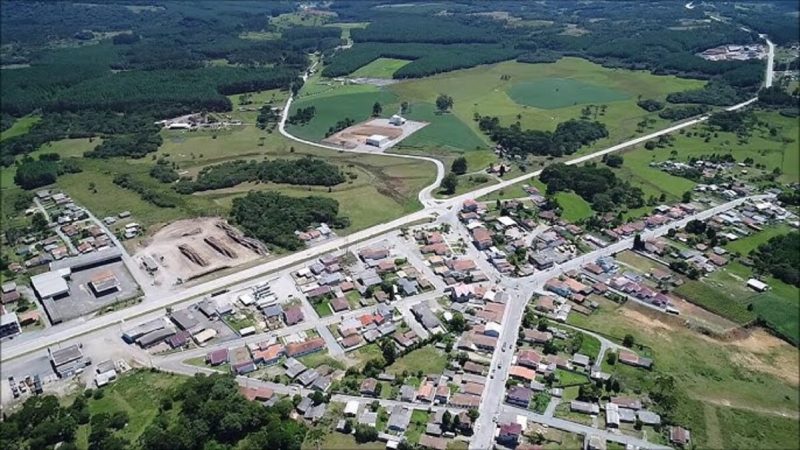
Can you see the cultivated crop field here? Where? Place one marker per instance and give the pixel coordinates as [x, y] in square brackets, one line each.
[380, 68]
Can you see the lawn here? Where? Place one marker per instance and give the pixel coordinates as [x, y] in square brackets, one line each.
[445, 131]
[567, 378]
[770, 431]
[590, 346]
[427, 359]
[323, 308]
[380, 68]
[317, 359]
[749, 243]
[758, 372]
[574, 208]
[419, 420]
[138, 394]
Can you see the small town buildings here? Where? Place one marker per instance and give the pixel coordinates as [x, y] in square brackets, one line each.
[679, 436]
[519, 396]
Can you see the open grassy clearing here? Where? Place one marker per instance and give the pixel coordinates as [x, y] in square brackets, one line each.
[380, 68]
[20, 126]
[759, 372]
[339, 441]
[384, 189]
[427, 359]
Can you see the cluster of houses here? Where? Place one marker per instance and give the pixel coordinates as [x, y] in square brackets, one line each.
[316, 234]
[399, 421]
[353, 332]
[330, 279]
[244, 359]
[732, 52]
[275, 313]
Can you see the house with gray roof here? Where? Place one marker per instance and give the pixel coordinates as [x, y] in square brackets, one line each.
[399, 419]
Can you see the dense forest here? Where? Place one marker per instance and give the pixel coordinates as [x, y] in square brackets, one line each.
[780, 256]
[597, 185]
[427, 59]
[152, 63]
[307, 171]
[568, 137]
[202, 412]
[273, 218]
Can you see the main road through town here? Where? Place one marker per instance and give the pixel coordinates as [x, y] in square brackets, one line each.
[33, 341]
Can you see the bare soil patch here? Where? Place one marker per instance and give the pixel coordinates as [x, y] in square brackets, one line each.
[188, 249]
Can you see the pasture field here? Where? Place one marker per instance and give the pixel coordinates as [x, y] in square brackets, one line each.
[380, 68]
[490, 90]
[555, 93]
[755, 375]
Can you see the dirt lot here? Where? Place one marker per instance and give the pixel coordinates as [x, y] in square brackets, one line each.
[356, 136]
[175, 267]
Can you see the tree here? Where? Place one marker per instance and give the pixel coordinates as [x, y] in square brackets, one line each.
[628, 340]
[444, 102]
[449, 183]
[638, 243]
[457, 324]
[377, 109]
[39, 223]
[613, 160]
[459, 166]
[403, 107]
[365, 433]
[446, 419]
[348, 426]
[611, 358]
[473, 414]
[389, 351]
[686, 197]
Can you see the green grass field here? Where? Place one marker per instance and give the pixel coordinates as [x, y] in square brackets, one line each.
[380, 68]
[427, 359]
[749, 243]
[445, 131]
[574, 208]
[567, 378]
[759, 373]
[486, 91]
[555, 93]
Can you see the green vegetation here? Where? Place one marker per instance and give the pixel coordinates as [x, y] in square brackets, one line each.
[19, 126]
[380, 68]
[273, 218]
[753, 376]
[427, 359]
[568, 137]
[709, 295]
[597, 185]
[555, 93]
[304, 171]
[747, 244]
[567, 378]
[573, 207]
[780, 256]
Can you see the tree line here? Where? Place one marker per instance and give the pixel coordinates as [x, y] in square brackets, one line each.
[304, 171]
[597, 185]
[568, 137]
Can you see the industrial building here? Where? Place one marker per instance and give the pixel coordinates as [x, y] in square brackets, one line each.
[377, 140]
[68, 361]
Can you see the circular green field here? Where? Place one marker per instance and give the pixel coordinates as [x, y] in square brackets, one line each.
[554, 93]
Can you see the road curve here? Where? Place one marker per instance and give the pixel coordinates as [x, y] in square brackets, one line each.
[425, 195]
